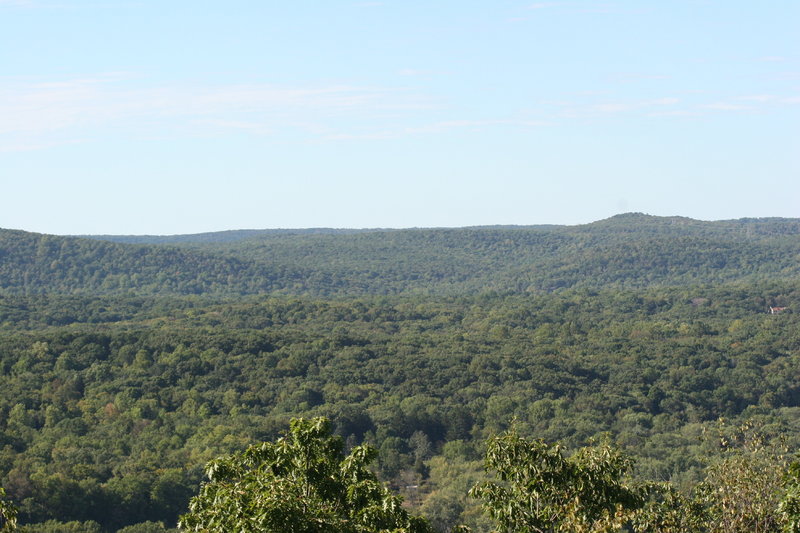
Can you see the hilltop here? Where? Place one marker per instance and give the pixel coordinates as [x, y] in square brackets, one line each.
[626, 251]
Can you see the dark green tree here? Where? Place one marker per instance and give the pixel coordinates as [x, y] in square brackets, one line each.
[302, 483]
[55, 526]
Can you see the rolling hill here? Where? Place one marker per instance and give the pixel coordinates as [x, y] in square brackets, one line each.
[630, 250]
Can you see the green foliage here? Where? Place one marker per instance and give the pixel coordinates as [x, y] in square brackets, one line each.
[539, 489]
[789, 506]
[748, 487]
[54, 526]
[624, 251]
[744, 488]
[301, 483]
[451, 475]
[126, 367]
[111, 421]
[8, 513]
[668, 511]
[147, 527]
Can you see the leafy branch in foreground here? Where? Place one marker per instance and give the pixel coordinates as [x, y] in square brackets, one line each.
[542, 490]
[302, 483]
[745, 490]
[750, 487]
[790, 504]
[8, 514]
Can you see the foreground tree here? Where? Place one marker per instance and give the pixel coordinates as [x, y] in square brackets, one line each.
[8, 514]
[790, 504]
[668, 511]
[749, 488]
[302, 483]
[541, 490]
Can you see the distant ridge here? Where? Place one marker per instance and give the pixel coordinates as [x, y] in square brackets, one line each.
[219, 236]
[229, 236]
[631, 220]
[627, 250]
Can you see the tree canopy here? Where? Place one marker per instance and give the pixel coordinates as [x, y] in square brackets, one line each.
[8, 513]
[541, 490]
[124, 368]
[302, 483]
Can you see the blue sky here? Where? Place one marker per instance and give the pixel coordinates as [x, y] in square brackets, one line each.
[165, 117]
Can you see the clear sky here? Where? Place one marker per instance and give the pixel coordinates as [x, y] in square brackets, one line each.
[177, 116]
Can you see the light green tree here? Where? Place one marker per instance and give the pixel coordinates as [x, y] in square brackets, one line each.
[541, 490]
[789, 506]
[8, 514]
[743, 488]
[668, 511]
[302, 483]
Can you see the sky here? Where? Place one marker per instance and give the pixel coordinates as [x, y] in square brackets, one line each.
[171, 117]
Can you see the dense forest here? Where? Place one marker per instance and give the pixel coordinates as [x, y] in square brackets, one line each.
[128, 363]
[626, 251]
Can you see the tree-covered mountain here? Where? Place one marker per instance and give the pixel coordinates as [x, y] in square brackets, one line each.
[125, 367]
[218, 236]
[630, 250]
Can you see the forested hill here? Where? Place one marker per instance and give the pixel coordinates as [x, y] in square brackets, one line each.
[218, 236]
[630, 250]
[127, 366]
